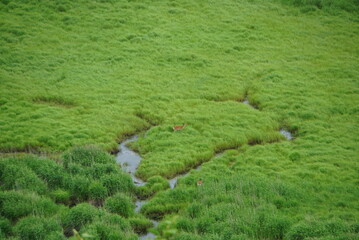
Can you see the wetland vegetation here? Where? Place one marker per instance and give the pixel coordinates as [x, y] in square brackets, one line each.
[78, 78]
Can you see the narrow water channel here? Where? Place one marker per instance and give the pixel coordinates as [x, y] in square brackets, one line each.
[129, 161]
[288, 135]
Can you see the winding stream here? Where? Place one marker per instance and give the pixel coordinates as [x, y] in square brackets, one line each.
[129, 161]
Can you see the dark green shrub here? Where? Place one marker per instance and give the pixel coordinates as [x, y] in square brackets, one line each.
[61, 196]
[33, 228]
[120, 204]
[86, 156]
[120, 182]
[78, 216]
[5, 226]
[97, 191]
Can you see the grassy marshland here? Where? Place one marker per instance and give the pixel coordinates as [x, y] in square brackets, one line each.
[74, 73]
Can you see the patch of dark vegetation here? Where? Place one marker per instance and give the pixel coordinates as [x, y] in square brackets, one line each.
[55, 100]
[65, 196]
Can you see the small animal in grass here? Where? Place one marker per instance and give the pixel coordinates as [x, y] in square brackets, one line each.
[200, 182]
[177, 128]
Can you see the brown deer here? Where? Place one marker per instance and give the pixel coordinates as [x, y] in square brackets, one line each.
[177, 128]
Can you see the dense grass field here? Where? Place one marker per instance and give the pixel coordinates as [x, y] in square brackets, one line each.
[77, 77]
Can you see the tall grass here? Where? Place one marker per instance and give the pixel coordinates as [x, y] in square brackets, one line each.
[75, 73]
[42, 199]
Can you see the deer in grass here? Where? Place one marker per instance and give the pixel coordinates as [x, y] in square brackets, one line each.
[177, 128]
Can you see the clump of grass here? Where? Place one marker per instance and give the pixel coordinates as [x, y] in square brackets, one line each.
[119, 204]
[37, 228]
[61, 196]
[118, 182]
[140, 224]
[109, 226]
[15, 205]
[153, 185]
[97, 192]
[78, 216]
[5, 227]
[86, 156]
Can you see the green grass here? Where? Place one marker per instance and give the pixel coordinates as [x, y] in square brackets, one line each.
[41, 199]
[75, 73]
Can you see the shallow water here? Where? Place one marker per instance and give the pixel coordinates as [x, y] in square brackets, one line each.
[139, 204]
[173, 181]
[288, 135]
[148, 236]
[129, 160]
